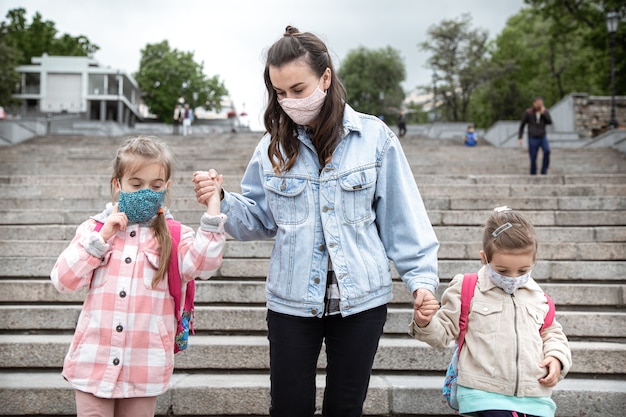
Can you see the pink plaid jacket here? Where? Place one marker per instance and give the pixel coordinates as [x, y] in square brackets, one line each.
[123, 345]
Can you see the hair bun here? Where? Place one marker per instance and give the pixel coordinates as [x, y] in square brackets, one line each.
[291, 30]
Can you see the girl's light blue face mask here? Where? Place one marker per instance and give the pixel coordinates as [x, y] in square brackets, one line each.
[507, 284]
[140, 206]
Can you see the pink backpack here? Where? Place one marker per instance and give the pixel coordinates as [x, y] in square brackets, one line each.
[184, 318]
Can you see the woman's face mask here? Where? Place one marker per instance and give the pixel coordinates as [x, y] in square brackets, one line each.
[140, 206]
[303, 111]
[507, 284]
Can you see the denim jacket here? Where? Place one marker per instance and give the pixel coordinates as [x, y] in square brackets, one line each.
[362, 209]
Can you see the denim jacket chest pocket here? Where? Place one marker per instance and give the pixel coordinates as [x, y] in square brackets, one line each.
[287, 199]
[357, 194]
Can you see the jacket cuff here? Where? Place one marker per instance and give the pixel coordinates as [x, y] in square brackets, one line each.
[214, 224]
[95, 245]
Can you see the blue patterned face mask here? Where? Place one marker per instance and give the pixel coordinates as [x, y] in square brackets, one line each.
[508, 284]
[140, 206]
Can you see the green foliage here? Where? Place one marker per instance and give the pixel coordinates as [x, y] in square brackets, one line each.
[166, 74]
[459, 58]
[9, 77]
[550, 49]
[372, 79]
[40, 36]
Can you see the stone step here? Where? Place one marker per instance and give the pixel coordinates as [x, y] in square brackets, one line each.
[212, 353]
[467, 191]
[213, 394]
[437, 217]
[586, 251]
[183, 179]
[251, 319]
[554, 271]
[224, 292]
[549, 203]
[545, 234]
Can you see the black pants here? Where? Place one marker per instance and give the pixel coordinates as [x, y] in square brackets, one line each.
[295, 345]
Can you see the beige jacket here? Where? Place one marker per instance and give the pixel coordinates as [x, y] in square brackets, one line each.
[503, 346]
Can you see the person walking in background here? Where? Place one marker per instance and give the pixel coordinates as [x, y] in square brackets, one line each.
[187, 119]
[470, 136]
[177, 118]
[509, 362]
[401, 123]
[122, 354]
[537, 118]
[335, 190]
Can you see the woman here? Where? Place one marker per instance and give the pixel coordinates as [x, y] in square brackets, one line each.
[334, 189]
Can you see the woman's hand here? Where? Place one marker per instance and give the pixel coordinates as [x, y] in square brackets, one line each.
[424, 307]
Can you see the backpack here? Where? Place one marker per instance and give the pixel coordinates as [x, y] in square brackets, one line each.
[184, 318]
[449, 389]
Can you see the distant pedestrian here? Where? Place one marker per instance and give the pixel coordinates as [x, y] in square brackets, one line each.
[177, 118]
[401, 124]
[187, 120]
[537, 118]
[122, 354]
[470, 136]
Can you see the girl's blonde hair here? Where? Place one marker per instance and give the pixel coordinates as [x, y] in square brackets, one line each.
[508, 230]
[135, 153]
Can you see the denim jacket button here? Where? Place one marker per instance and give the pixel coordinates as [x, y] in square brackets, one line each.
[316, 280]
[314, 312]
[321, 248]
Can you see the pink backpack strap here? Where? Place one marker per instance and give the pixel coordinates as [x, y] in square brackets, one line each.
[547, 322]
[467, 293]
[173, 273]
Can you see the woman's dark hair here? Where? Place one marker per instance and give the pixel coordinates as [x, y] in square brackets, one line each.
[284, 146]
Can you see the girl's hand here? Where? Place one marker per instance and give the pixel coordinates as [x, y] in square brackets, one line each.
[554, 371]
[208, 184]
[114, 223]
[424, 307]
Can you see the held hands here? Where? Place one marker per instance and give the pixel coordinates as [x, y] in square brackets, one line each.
[554, 371]
[114, 223]
[208, 188]
[424, 307]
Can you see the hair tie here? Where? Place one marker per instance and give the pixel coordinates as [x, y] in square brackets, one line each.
[499, 230]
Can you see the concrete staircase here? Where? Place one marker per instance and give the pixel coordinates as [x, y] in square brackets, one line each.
[51, 184]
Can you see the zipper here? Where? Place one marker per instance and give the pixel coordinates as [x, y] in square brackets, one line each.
[516, 345]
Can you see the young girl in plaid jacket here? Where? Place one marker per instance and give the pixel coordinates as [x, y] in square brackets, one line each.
[122, 353]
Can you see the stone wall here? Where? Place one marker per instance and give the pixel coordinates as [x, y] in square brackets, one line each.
[593, 113]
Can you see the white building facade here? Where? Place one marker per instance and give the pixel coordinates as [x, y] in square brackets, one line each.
[79, 86]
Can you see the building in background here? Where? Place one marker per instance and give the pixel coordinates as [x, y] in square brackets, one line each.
[79, 86]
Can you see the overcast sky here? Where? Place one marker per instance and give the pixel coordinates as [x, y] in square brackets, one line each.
[231, 37]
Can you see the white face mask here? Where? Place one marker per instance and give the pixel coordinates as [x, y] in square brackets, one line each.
[507, 284]
[304, 110]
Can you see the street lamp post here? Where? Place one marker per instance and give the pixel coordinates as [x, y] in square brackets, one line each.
[435, 96]
[612, 22]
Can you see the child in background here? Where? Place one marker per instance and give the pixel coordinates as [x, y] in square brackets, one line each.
[122, 354]
[506, 367]
[470, 136]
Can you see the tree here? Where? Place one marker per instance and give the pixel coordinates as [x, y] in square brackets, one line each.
[544, 51]
[40, 36]
[460, 60]
[372, 79]
[166, 74]
[9, 77]
[587, 18]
